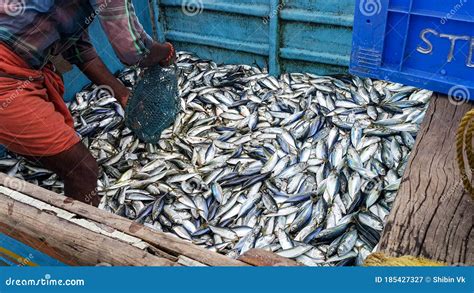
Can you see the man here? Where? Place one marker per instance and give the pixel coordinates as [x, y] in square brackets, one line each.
[34, 121]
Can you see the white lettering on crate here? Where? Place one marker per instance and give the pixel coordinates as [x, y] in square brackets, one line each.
[427, 47]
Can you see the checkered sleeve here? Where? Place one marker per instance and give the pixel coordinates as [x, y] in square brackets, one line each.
[128, 38]
[81, 51]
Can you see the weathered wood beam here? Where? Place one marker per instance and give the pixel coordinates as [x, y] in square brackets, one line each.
[165, 242]
[432, 215]
[68, 242]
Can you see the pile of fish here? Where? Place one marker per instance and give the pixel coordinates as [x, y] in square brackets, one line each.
[306, 166]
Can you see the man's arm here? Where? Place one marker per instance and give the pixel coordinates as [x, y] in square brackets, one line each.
[131, 43]
[84, 56]
[99, 74]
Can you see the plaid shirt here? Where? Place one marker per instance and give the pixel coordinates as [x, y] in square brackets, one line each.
[37, 29]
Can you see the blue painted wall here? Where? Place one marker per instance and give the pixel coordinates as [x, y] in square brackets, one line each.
[74, 80]
[287, 36]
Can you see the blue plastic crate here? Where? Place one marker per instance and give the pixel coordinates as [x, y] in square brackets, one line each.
[424, 43]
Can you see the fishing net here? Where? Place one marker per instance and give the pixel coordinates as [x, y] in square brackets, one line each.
[154, 103]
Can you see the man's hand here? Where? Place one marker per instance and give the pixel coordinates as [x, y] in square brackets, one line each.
[99, 74]
[171, 58]
[122, 93]
[162, 54]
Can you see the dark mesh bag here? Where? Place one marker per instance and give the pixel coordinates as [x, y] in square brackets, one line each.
[154, 103]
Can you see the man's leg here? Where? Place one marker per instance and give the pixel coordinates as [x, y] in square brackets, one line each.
[35, 122]
[31, 126]
[79, 171]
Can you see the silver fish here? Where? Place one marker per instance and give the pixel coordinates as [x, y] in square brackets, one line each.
[307, 166]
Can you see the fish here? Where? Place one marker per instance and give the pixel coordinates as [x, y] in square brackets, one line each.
[303, 165]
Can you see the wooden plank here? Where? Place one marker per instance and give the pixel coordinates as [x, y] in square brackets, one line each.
[162, 241]
[67, 242]
[86, 223]
[432, 215]
[264, 258]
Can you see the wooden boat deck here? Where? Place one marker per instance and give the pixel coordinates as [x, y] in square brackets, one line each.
[432, 214]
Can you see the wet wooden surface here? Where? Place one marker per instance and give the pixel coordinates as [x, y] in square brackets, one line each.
[432, 214]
